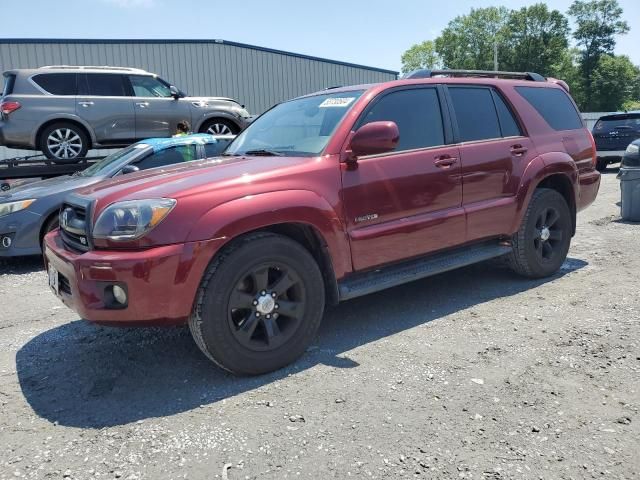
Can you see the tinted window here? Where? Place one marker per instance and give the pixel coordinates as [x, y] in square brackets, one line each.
[9, 81]
[508, 123]
[475, 113]
[215, 149]
[554, 106]
[623, 123]
[145, 86]
[416, 112]
[169, 156]
[105, 85]
[57, 83]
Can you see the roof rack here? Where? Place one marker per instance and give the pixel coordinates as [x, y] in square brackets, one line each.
[93, 67]
[425, 73]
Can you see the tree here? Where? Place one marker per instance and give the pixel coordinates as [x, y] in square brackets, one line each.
[537, 37]
[597, 24]
[567, 67]
[468, 40]
[422, 55]
[615, 80]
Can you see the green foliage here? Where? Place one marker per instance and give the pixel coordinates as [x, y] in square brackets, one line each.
[422, 55]
[536, 39]
[631, 105]
[468, 41]
[615, 80]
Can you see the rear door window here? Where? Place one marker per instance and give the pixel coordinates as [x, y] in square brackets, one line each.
[554, 105]
[57, 83]
[103, 85]
[475, 113]
[9, 82]
[417, 114]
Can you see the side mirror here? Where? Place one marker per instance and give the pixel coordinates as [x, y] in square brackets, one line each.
[175, 93]
[129, 169]
[374, 138]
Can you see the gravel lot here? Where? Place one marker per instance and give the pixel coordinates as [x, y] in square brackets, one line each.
[472, 374]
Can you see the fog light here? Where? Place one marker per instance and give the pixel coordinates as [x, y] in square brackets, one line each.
[119, 294]
[6, 242]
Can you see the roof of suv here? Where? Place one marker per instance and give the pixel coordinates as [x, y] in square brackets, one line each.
[80, 68]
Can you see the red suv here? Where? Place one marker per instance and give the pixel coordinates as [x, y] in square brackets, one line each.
[327, 197]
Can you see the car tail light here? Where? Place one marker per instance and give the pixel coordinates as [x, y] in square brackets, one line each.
[8, 107]
[594, 152]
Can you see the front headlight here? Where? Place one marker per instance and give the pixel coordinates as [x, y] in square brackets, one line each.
[633, 148]
[131, 219]
[10, 207]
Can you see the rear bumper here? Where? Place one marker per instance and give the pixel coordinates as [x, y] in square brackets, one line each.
[610, 153]
[16, 134]
[589, 183]
[161, 282]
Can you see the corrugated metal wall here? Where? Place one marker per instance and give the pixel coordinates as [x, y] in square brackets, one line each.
[254, 76]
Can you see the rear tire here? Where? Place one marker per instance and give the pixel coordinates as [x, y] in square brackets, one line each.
[541, 244]
[601, 165]
[259, 305]
[64, 142]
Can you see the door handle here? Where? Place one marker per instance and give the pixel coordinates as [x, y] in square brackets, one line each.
[444, 161]
[518, 150]
[142, 104]
[85, 104]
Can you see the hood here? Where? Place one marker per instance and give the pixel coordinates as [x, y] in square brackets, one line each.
[241, 174]
[47, 187]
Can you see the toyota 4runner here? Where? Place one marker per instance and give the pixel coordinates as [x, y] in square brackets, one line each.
[327, 197]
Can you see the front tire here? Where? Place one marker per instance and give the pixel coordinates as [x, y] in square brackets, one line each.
[64, 142]
[541, 244]
[259, 304]
[220, 126]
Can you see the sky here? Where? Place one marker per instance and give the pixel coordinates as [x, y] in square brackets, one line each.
[367, 32]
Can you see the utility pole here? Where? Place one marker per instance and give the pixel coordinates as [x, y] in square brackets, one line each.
[495, 55]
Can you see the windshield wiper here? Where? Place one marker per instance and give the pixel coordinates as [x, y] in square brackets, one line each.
[264, 153]
[229, 154]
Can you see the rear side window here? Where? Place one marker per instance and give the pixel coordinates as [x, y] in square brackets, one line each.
[103, 85]
[9, 81]
[475, 113]
[57, 83]
[417, 114]
[554, 106]
[169, 156]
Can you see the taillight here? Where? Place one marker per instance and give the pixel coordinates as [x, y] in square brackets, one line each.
[8, 107]
[594, 152]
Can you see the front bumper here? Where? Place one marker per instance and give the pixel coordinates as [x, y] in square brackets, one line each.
[23, 229]
[161, 282]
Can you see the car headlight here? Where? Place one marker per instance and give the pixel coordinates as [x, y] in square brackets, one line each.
[131, 219]
[633, 148]
[10, 207]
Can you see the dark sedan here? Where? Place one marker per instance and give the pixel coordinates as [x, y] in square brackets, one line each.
[27, 213]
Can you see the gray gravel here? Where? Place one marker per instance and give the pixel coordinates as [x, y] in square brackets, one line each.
[472, 374]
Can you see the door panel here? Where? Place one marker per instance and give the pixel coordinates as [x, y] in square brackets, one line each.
[416, 204]
[407, 202]
[102, 104]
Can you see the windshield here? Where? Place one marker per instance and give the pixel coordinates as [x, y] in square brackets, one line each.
[299, 127]
[114, 162]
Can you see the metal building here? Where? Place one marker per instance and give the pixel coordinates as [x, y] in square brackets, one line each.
[255, 76]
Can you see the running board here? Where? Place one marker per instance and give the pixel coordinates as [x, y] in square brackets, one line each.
[373, 281]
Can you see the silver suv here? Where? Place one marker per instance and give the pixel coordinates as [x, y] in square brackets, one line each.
[64, 111]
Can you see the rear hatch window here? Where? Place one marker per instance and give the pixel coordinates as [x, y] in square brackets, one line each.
[616, 132]
[9, 81]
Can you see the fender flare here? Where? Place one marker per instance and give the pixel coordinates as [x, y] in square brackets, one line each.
[216, 114]
[229, 220]
[62, 117]
[540, 168]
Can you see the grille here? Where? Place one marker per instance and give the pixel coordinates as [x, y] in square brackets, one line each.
[73, 227]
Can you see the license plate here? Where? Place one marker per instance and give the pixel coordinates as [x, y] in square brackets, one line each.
[53, 280]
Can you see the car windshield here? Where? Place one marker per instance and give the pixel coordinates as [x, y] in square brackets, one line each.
[114, 162]
[300, 127]
[628, 123]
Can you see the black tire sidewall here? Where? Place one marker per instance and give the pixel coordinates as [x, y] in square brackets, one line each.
[79, 131]
[216, 331]
[540, 267]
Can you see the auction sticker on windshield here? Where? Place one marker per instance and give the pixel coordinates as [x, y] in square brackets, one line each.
[337, 102]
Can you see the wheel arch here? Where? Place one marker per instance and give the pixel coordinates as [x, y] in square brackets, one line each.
[217, 116]
[73, 120]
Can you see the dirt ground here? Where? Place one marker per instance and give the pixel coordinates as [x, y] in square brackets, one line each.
[472, 374]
